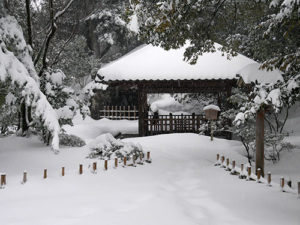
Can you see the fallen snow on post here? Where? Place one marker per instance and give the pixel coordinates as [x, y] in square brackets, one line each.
[213, 107]
[181, 186]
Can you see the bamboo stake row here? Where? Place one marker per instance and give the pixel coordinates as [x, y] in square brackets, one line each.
[80, 172]
[248, 174]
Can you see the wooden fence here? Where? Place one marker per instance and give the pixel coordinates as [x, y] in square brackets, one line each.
[159, 124]
[119, 112]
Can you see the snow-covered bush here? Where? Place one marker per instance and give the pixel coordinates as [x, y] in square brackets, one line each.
[71, 140]
[60, 96]
[106, 147]
[17, 70]
[275, 144]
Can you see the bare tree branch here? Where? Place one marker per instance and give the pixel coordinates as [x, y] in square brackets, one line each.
[29, 24]
[51, 33]
[56, 59]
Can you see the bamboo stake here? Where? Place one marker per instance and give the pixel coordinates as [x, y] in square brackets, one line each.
[249, 172]
[63, 171]
[269, 178]
[282, 183]
[80, 169]
[105, 164]
[24, 177]
[258, 175]
[116, 162]
[3, 180]
[45, 174]
[94, 167]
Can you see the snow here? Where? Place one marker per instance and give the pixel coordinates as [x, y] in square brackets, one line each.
[88, 128]
[56, 77]
[133, 25]
[14, 69]
[148, 62]
[181, 186]
[252, 73]
[214, 107]
[88, 89]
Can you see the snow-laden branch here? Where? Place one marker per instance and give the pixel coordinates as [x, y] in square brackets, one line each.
[16, 72]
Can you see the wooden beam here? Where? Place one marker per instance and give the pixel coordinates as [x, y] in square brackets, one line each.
[143, 111]
[260, 141]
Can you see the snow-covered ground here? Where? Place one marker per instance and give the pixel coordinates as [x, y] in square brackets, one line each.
[181, 186]
[89, 129]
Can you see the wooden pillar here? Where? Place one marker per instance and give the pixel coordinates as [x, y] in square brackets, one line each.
[143, 112]
[259, 164]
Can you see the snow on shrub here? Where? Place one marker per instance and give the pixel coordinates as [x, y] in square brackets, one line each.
[71, 140]
[106, 146]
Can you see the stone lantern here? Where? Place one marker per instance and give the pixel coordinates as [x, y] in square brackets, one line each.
[211, 113]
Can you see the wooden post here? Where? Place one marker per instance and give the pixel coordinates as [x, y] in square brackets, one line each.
[148, 155]
[260, 141]
[63, 171]
[269, 178]
[142, 100]
[227, 162]
[24, 177]
[222, 159]
[218, 157]
[3, 180]
[258, 175]
[299, 189]
[94, 167]
[116, 162]
[80, 169]
[282, 183]
[242, 168]
[233, 165]
[124, 160]
[249, 171]
[171, 123]
[289, 183]
[105, 164]
[45, 174]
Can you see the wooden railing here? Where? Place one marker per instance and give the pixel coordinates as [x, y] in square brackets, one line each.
[160, 124]
[119, 112]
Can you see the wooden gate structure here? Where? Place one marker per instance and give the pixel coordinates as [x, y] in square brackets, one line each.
[148, 124]
[153, 70]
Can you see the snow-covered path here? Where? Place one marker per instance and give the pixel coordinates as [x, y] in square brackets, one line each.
[180, 187]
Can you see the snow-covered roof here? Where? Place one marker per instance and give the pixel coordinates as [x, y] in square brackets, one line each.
[252, 73]
[148, 62]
